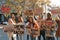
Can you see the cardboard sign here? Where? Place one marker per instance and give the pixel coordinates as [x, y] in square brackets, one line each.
[20, 28]
[28, 12]
[38, 10]
[55, 11]
[34, 32]
[8, 28]
[48, 23]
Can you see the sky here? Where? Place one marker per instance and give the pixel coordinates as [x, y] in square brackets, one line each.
[55, 2]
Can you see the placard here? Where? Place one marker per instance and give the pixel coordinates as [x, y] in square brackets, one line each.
[38, 10]
[28, 12]
[8, 28]
[48, 23]
[20, 28]
[55, 11]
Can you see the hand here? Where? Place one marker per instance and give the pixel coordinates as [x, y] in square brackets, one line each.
[47, 29]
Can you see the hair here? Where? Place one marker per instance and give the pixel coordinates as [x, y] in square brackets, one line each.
[13, 13]
[29, 19]
[33, 23]
[48, 15]
[19, 17]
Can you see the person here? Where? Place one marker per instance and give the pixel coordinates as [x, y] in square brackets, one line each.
[58, 28]
[28, 32]
[33, 25]
[11, 21]
[42, 27]
[20, 20]
[50, 27]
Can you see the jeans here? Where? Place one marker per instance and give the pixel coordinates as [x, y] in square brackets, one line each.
[27, 37]
[17, 37]
[33, 38]
[42, 33]
[50, 38]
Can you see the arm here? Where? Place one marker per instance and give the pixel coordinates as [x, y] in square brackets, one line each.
[36, 26]
[9, 21]
[54, 26]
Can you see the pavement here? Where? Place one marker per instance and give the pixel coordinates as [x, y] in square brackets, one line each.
[4, 36]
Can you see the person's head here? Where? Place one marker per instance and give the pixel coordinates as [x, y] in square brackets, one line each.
[30, 19]
[48, 15]
[19, 19]
[13, 15]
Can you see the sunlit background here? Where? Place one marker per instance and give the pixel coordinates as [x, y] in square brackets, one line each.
[55, 2]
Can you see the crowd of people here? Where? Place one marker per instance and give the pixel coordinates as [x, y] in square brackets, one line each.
[35, 27]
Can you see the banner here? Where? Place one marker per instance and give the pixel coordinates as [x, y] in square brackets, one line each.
[38, 10]
[28, 12]
[5, 9]
[48, 23]
[55, 11]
